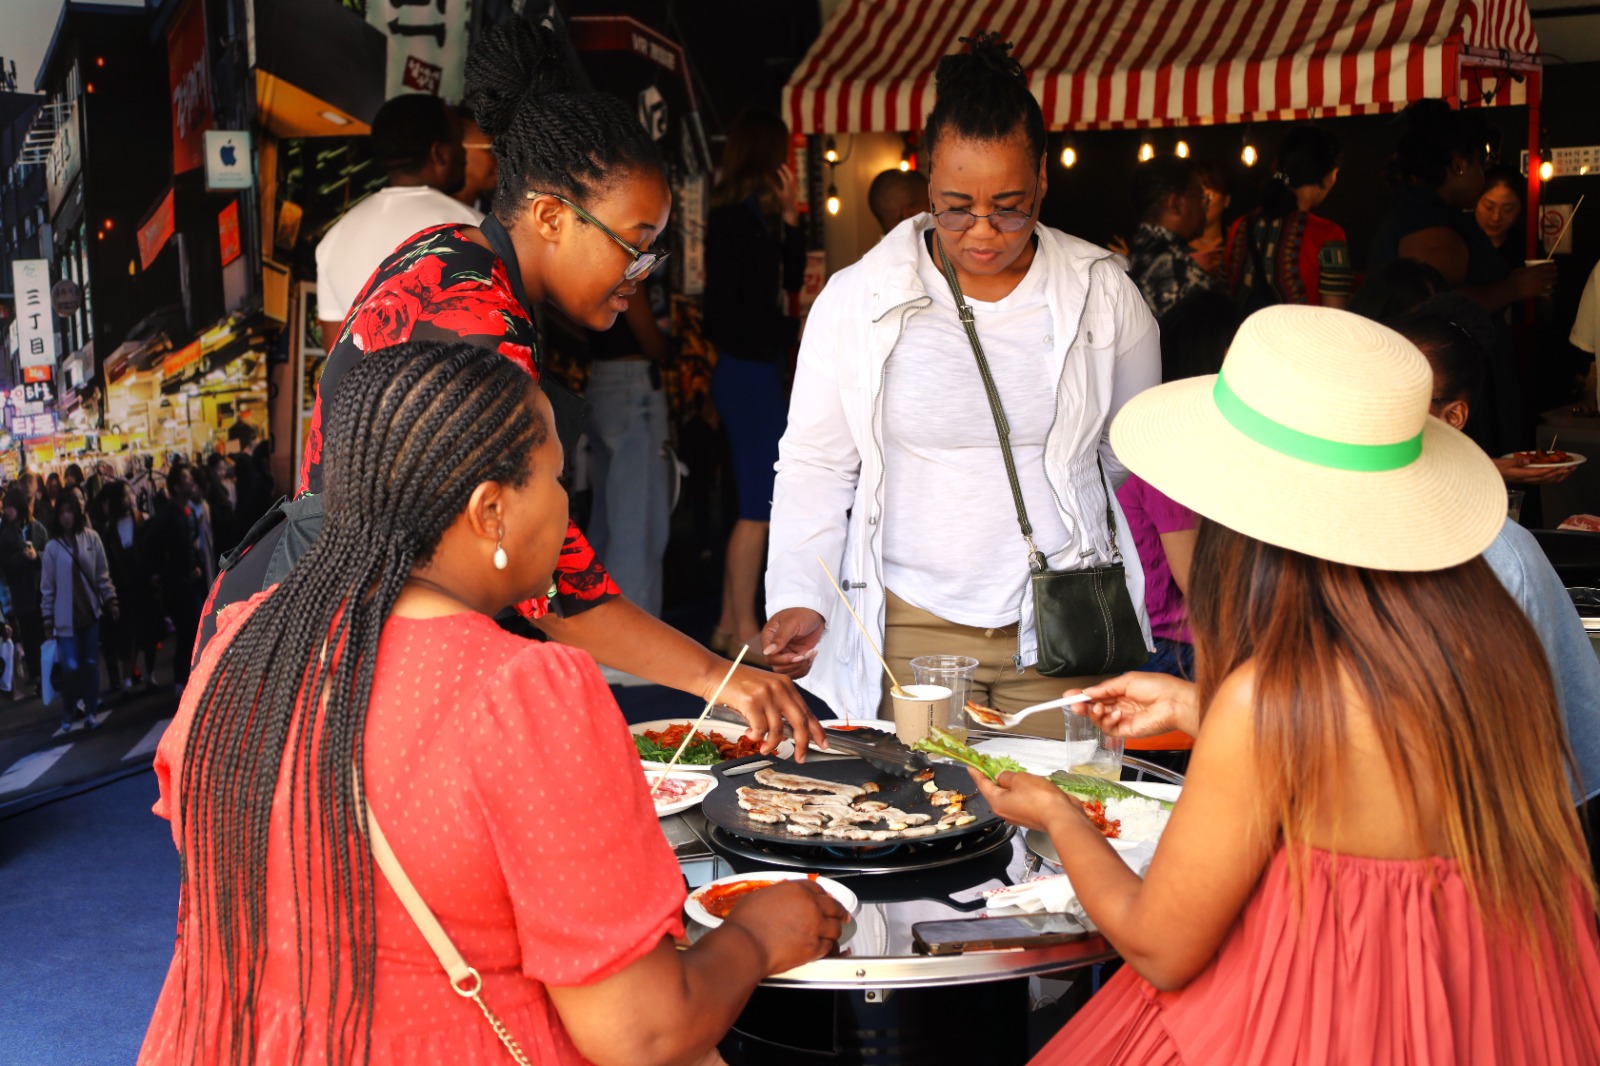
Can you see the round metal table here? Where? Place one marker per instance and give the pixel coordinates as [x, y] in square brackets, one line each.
[878, 1000]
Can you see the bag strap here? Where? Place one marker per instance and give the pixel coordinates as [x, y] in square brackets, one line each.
[464, 980]
[77, 564]
[1036, 559]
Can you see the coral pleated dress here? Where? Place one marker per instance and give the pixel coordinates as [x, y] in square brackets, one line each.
[503, 775]
[1384, 963]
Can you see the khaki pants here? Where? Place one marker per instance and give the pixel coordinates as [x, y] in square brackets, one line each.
[910, 631]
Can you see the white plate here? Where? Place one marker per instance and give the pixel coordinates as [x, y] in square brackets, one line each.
[664, 809]
[722, 729]
[691, 906]
[1574, 461]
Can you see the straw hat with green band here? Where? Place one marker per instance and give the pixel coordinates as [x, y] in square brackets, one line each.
[1316, 437]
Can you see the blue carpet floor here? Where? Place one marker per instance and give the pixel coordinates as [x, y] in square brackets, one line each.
[88, 905]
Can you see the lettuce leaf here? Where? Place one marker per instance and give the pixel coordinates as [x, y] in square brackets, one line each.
[1087, 787]
[991, 766]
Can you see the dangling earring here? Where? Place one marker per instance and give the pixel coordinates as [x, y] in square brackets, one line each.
[500, 560]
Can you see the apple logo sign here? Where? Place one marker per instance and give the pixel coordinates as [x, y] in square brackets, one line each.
[228, 156]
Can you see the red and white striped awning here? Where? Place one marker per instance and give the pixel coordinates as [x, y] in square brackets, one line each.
[1106, 64]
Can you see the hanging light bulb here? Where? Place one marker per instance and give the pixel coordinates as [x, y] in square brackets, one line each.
[833, 199]
[1547, 170]
[830, 151]
[1147, 152]
[905, 165]
[1249, 156]
[1069, 156]
[1183, 149]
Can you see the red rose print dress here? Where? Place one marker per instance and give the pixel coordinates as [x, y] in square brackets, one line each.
[441, 286]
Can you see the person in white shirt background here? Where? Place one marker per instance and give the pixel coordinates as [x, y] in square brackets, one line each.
[418, 139]
[1586, 333]
[891, 469]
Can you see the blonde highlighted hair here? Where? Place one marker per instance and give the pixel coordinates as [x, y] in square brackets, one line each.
[1458, 691]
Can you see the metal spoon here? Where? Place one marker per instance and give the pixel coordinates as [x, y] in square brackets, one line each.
[993, 718]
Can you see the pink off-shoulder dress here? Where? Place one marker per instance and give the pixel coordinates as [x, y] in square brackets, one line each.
[1384, 963]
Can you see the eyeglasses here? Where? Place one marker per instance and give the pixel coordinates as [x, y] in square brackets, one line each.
[643, 262]
[959, 219]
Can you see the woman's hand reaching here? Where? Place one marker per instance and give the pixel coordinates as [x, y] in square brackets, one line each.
[1142, 705]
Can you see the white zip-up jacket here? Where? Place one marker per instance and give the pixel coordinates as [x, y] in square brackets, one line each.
[829, 497]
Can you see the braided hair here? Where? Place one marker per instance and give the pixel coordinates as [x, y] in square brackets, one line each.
[547, 135]
[416, 429]
[983, 96]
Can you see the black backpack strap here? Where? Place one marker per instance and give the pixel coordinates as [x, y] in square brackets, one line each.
[264, 525]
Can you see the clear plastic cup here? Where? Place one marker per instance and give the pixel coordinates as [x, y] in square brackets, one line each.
[1090, 751]
[954, 672]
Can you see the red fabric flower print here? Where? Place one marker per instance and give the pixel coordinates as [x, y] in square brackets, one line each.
[520, 354]
[580, 579]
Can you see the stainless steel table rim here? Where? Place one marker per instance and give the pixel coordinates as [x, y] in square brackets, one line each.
[924, 971]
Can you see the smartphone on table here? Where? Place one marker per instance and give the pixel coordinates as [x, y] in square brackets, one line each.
[995, 934]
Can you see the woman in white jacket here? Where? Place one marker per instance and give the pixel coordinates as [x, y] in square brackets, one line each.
[891, 468]
[74, 589]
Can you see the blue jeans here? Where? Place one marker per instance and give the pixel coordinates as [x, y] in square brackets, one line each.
[1171, 657]
[628, 524]
[79, 656]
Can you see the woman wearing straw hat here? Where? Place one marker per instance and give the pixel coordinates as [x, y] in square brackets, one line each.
[1375, 858]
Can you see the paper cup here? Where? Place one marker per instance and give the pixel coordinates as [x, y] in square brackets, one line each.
[920, 709]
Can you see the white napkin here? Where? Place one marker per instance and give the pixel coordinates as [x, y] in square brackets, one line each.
[1055, 895]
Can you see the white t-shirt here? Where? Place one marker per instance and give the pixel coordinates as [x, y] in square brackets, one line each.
[1586, 327]
[951, 543]
[368, 232]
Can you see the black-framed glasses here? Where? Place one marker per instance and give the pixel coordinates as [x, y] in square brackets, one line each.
[643, 262]
[1009, 220]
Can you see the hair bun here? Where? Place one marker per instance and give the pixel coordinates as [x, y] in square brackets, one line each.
[515, 60]
[987, 59]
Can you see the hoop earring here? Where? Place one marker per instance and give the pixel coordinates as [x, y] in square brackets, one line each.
[500, 560]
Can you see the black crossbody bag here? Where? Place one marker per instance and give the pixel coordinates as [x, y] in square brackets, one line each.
[1085, 619]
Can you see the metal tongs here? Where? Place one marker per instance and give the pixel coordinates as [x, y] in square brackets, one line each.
[881, 750]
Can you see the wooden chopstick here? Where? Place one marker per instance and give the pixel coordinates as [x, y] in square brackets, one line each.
[689, 736]
[894, 686]
[1550, 250]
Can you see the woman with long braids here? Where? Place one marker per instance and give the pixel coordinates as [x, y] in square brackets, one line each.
[582, 195]
[373, 680]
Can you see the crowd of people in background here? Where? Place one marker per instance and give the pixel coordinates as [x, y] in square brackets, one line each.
[101, 570]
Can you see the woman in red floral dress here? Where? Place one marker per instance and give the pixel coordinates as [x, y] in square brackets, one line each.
[568, 160]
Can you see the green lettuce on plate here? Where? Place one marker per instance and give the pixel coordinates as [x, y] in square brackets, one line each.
[700, 752]
[991, 766]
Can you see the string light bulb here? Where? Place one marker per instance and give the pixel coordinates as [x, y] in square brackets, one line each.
[905, 166]
[1147, 152]
[1069, 157]
[1249, 156]
[1547, 170]
[1182, 149]
[830, 152]
[833, 199]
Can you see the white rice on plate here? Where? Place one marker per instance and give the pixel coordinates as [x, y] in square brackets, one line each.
[1142, 819]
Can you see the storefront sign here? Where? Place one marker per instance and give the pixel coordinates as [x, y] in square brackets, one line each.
[190, 80]
[36, 336]
[30, 398]
[181, 358]
[155, 231]
[61, 166]
[228, 232]
[66, 298]
[427, 45]
[32, 427]
[229, 164]
[37, 373]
